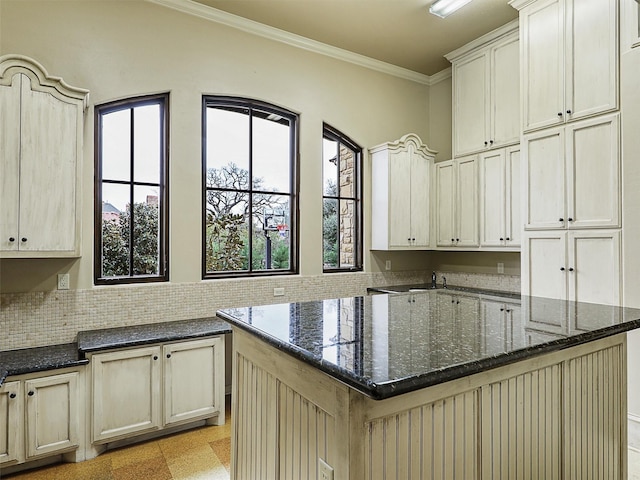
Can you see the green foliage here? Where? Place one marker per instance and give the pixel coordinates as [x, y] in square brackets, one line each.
[330, 227]
[226, 240]
[116, 245]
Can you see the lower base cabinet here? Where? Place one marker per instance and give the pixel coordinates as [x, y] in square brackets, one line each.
[145, 389]
[39, 416]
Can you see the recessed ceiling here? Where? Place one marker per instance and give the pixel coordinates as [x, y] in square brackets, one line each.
[399, 32]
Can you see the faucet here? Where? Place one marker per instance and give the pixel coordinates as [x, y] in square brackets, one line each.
[444, 282]
[433, 279]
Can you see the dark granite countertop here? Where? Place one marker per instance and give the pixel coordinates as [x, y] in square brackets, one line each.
[29, 360]
[39, 359]
[135, 335]
[415, 287]
[387, 345]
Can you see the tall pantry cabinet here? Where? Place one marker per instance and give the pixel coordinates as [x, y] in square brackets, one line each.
[570, 149]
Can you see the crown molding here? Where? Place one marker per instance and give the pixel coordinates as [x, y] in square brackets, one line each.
[510, 28]
[440, 76]
[213, 14]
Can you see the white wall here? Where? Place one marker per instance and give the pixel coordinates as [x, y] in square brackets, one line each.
[118, 49]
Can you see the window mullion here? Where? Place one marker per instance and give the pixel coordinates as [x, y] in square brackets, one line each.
[250, 199]
[131, 192]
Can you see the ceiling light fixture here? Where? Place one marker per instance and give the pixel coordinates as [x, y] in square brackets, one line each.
[444, 8]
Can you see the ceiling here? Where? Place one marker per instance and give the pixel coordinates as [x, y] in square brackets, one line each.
[399, 32]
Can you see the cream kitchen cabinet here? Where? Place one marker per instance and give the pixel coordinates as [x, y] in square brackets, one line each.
[41, 137]
[401, 188]
[486, 92]
[580, 266]
[572, 175]
[500, 225]
[39, 416]
[569, 52]
[501, 324]
[146, 389]
[457, 203]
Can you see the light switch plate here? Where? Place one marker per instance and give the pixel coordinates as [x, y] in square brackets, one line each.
[500, 267]
[278, 291]
[325, 472]
[63, 281]
[387, 265]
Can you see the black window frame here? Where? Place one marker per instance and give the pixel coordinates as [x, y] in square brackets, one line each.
[333, 134]
[294, 184]
[163, 197]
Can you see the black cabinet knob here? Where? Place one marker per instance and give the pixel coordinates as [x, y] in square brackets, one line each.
[508, 310]
[31, 393]
[561, 219]
[453, 240]
[559, 114]
[502, 309]
[12, 239]
[155, 357]
[457, 239]
[24, 239]
[568, 112]
[508, 239]
[491, 142]
[501, 239]
[458, 302]
[485, 143]
[562, 269]
[168, 355]
[571, 269]
[12, 395]
[570, 219]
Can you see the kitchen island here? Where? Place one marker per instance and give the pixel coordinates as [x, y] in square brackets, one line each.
[430, 385]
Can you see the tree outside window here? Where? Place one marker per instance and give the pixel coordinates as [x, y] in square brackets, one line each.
[342, 205]
[131, 193]
[249, 160]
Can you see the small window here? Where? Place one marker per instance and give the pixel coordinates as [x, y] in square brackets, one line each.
[342, 202]
[131, 241]
[249, 188]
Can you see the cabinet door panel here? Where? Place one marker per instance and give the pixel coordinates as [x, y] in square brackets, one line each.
[126, 392]
[505, 93]
[543, 64]
[9, 163]
[595, 258]
[545, 180]
[399, 199]
[192, 374]
[52, 414]
[467, 205]
[544, 265]
[11, 422]
[592, 53]
[445, 176]
[470, 105]
[48, 169]
[492, 199]
[513, 213]
[593, 157]
[420, 192]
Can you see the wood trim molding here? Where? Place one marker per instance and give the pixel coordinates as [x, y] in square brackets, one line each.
[272, 33]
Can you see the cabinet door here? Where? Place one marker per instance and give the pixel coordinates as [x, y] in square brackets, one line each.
[420, 193]
[126, 392]
[544, 265]
[11, 423]
[471, 102]
[505, 93]
[52, 415]
[593, 266]
[544, 184]
[194, 385]
[512, 208]
[593, 162]
[445, 190]
[492, 198]
[47, 172]
[592, 57]
[542, 36]
[399, 199]
[467, 203]
[10, 163]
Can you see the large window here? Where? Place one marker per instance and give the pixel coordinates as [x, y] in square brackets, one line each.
[342, 205]
[249, 188]
[131, 191]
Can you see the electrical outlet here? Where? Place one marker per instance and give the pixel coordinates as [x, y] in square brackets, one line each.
[500, 267]
[387, 265]
[325, 472]
[63, 281]
[278, 292]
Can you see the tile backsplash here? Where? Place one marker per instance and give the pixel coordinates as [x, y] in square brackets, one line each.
[47, 318]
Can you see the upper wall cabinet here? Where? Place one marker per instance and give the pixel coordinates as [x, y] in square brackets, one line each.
[401, 186]
[41, 136]
[569, 52]
[486, 92]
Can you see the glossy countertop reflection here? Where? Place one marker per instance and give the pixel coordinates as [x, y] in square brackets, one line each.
[389, 344]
